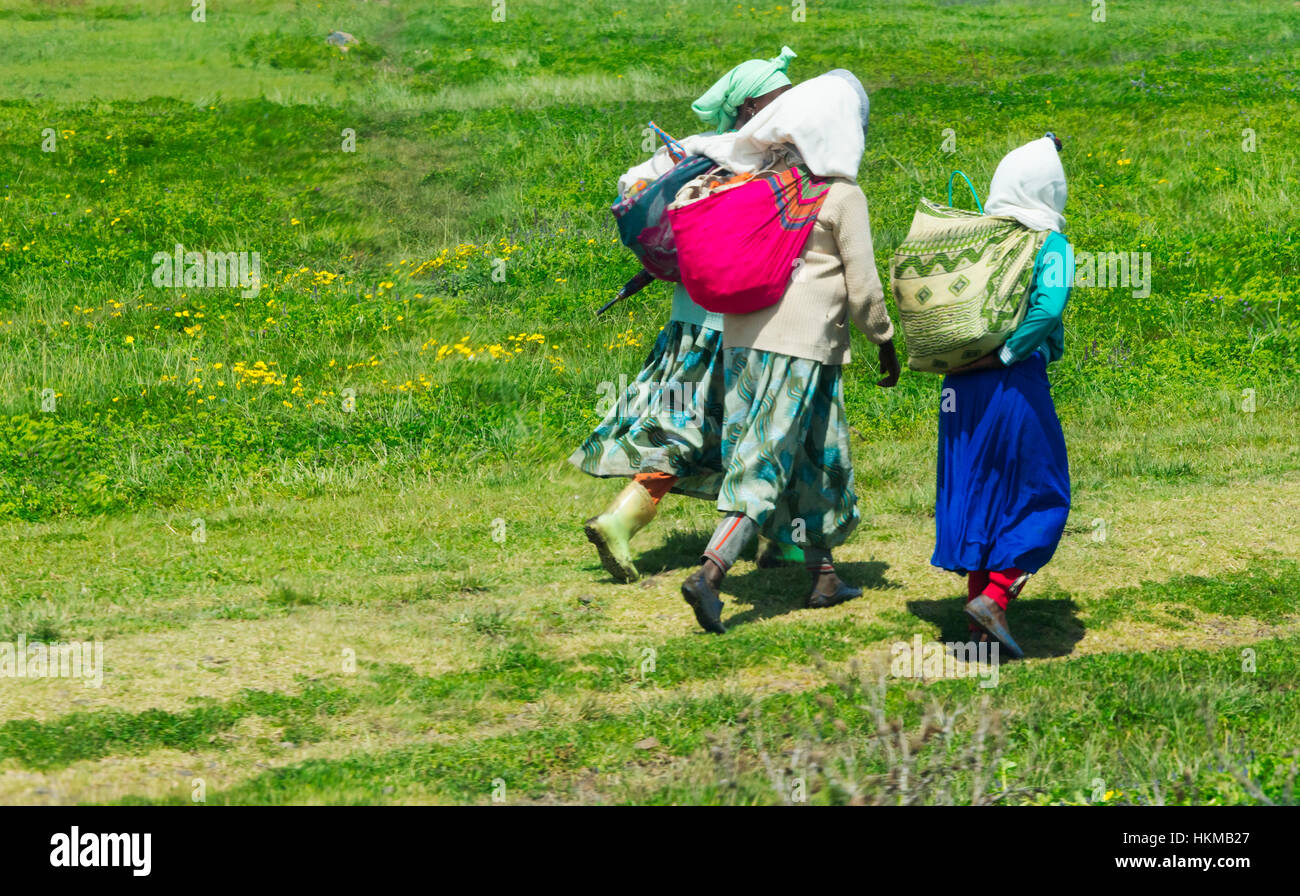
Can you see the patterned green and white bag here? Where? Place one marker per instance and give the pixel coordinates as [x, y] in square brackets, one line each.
[961, 281]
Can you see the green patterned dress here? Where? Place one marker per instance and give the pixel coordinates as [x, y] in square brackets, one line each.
[669, 419]
[785, 443]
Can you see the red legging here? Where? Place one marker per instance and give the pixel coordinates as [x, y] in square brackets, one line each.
[657, 484]
[994, 583]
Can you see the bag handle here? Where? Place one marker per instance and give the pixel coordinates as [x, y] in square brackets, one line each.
[675, 150]
[975, 195]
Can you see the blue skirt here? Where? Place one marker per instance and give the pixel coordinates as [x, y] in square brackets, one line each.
[1004, 482]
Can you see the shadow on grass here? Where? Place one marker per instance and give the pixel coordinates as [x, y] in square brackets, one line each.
[774, 592]
[680, 551]
[1044, 627]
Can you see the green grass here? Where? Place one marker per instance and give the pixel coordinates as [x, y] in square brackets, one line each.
[277, 512]
[1052, 741]
[507, 165]
[81, 736]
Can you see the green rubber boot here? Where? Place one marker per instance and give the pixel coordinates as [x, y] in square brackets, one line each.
[772, 554]
[612, 530]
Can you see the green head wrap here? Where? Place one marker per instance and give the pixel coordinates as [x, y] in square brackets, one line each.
[753, 78]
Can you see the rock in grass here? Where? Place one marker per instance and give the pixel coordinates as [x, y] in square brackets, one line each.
[341, 39]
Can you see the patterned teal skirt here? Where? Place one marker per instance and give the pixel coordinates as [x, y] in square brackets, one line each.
[669, 420]
[785, 443]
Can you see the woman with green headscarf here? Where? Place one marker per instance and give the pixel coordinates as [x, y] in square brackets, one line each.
[666, 431]
[743, 91]
[785, 438]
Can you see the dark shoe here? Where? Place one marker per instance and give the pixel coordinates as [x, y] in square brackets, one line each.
[829, 590]
[704, 600]
[985, 613]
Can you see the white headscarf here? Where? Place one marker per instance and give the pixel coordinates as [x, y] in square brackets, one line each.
[1029, 186]
[822, 118]
[857, 89]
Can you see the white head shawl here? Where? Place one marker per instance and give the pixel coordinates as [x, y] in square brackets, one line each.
[1029, 185]
[822, 119]
[859, 90]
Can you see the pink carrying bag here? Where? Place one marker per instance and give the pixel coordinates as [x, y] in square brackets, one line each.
[736, 249]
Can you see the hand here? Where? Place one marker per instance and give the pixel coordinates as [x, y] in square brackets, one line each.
[991, 361]
[889, 366]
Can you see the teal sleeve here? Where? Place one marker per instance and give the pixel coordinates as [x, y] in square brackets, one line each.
[1048, 292]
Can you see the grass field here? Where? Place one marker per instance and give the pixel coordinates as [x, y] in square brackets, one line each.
[326, 533]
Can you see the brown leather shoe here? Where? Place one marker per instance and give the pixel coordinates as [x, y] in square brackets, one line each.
[702, 595]
[829, 590]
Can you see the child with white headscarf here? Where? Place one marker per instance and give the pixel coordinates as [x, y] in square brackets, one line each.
[1003, 490]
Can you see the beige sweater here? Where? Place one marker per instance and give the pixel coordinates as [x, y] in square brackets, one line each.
[836, 283]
